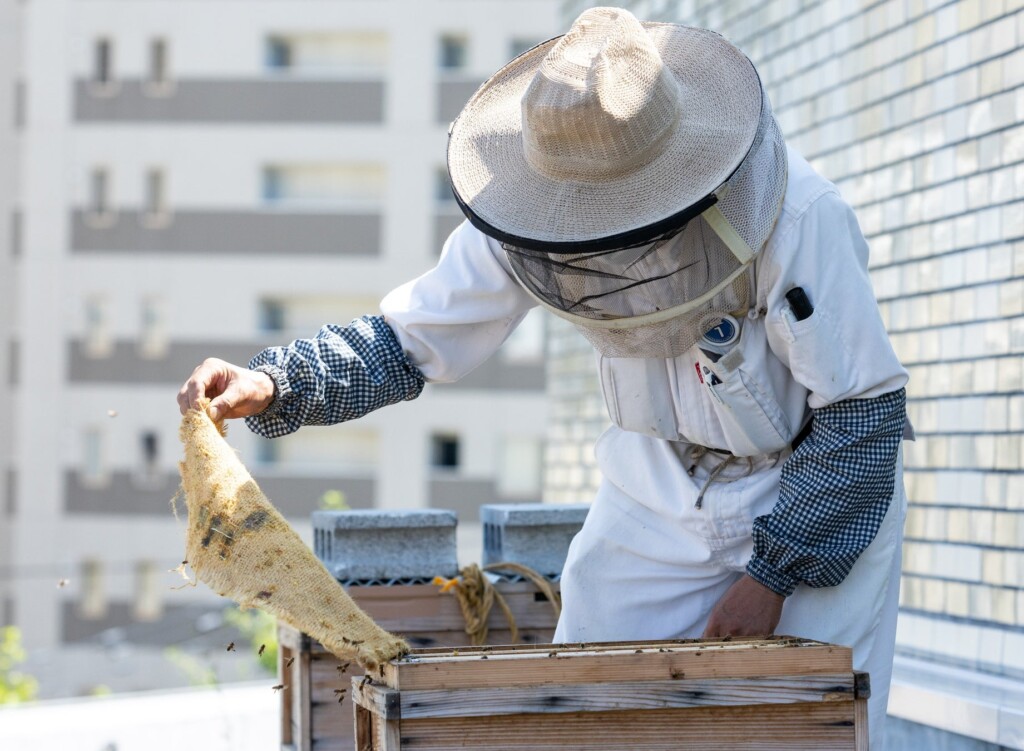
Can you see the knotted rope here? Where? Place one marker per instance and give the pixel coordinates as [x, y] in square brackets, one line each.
[477, 596]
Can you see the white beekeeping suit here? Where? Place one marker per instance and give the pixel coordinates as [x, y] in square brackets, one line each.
[630, 177]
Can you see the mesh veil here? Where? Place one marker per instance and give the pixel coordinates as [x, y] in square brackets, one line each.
[657, 299]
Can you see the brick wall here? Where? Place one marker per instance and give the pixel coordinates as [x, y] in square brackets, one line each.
[913, 109]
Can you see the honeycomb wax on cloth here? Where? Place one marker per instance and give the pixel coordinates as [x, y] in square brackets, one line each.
[241, 546]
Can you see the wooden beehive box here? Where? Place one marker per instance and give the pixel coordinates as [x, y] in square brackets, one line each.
[780, 693]
[313, 718]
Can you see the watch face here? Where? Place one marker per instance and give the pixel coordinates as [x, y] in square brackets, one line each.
[722, 331]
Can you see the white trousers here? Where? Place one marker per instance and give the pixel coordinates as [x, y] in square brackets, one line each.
[649, 565]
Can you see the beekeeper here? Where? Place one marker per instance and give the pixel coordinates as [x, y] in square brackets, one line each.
[631, 178]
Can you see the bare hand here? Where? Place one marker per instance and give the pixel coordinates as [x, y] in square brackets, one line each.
[748, 608]
[232, 391]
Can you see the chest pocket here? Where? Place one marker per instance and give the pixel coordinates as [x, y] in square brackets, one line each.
[751, 420]
[733, 407]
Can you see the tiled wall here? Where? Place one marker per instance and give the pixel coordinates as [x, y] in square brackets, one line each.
[912, 108]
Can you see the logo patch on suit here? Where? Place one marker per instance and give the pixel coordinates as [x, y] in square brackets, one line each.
[724, 331]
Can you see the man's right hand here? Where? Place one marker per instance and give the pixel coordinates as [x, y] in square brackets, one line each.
[232, 391]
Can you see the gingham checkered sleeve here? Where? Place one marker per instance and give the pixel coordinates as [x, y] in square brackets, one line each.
[834, 492]
[342, 374]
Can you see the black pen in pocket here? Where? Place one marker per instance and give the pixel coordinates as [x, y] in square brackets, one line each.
[799, 303]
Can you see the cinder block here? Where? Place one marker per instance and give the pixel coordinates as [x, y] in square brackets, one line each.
[533, 534]
[375, 545]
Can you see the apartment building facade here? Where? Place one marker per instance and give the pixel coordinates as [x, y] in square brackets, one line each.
[914, 109]
[203, 179]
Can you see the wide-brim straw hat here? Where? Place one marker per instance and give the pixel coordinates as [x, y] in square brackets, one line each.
[611, 135]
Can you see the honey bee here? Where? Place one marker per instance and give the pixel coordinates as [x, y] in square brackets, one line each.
[279, 687]
[343, 668]
[262, 647]
[62, 583]
[231, 647]
[288, 664]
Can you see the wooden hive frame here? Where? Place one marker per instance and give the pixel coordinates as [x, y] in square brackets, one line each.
[727, 695]
[313, 718]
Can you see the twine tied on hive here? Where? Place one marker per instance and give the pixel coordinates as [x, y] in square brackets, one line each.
[477, 596]
[241, 546]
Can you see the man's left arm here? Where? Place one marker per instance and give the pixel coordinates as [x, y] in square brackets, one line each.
[836, 487]
[834, 493]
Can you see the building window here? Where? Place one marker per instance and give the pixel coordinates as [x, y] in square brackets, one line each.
[278, 52]
[147, 604]
[103, 63]
[159, 80]
[98, 341]
[454, 52]
[516, 47]
[268, 451]
[94, 467]
[93, 602]
[443, 186]
[354, 184]
[99, 211]
[99, 192]
[16, 233]
[154, 212]
[271, 316]
[153, 330]
[444, 451]
[149, 456]
[329, 52]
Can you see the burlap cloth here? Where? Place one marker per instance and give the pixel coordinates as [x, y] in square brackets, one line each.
[241, 546]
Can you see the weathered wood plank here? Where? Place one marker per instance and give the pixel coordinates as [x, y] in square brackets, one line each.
[423, 607]
[333, 744]
[284, 670]
[364, 728]
[603, 697]
[771, 642]
[380, 700]
[482, 668]
[303, 704]
[333, 721]
[386, 735]
[784, 727]
[290, 637]
[860, 713]
[326, 677]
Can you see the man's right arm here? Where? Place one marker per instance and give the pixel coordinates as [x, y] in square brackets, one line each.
[435, 328]
[342, 374]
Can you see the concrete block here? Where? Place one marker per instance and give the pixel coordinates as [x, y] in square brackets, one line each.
[386, 545]
[533, 534]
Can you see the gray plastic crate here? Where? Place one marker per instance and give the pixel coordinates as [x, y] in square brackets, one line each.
[533, 534]
[376, 546]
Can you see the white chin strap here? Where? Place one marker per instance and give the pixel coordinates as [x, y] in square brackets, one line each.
[727, 234]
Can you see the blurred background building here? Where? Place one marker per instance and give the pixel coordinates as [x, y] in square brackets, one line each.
[192, 179]
[915, 109]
